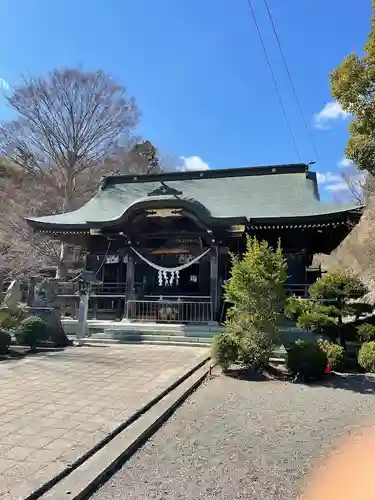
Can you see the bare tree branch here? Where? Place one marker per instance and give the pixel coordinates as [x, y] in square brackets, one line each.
[67, 124]
[356, 182]
[71, 129]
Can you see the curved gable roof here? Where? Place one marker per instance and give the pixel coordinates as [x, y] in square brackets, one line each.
[257, 193]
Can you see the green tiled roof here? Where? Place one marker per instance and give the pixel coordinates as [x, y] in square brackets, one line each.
[257, 194]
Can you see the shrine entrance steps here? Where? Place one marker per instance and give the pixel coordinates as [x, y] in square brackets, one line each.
[201, 335]
[125, 332]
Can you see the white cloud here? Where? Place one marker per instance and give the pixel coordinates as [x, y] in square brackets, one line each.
[192, 163]
[330, 181]
[328, 177]
[344, 181]
[331, 111]
[4, 84]
[345, 162]
[338, 187]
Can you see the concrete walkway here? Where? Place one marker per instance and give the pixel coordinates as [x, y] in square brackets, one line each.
[56, 406]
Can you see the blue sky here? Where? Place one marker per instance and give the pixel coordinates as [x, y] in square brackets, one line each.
[197, 70]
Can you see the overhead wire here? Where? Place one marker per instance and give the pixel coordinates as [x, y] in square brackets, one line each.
[273, 78]
[290, 77]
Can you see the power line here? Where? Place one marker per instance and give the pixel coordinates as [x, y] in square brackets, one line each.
[273, 78]
[290, 77]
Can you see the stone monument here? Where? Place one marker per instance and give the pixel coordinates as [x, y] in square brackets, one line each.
[45, 305]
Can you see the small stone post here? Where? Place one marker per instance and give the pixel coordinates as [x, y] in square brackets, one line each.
[82, 313]
[30, 299]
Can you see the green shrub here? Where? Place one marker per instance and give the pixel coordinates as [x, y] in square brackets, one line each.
[4, 341]
[366, 356]
[295, 306]
[11, 318]
[31, 330]
[252, 351]
[366, 332]
[335, 353]
[339, 287]
[306, 359]
[225, 349]
[315, 321]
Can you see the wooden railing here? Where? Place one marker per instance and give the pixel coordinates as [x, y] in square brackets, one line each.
[107, 288]
[301, 290]
[100, 307]
[106, 300]
[109, 301]
[170, 311]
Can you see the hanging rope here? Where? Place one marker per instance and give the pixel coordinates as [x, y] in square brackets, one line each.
[166, 275]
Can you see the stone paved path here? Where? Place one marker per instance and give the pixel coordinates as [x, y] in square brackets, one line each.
[55, 406]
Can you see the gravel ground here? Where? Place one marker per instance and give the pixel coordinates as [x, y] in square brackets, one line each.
[236, 439]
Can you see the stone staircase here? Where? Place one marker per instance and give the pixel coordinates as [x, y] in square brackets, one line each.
[123, 332]
[126, 332]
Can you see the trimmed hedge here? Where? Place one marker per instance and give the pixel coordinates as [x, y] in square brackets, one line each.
[225, 349]
[31, 330]
[306, 359]
[366, 356]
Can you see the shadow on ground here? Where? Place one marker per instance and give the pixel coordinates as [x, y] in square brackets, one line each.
[355, 382]
[260, 375]
[20, 352]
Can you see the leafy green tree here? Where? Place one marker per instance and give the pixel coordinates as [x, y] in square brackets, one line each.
[337, 290]
[312, 315]
[296, 306]
[256, 292]
[331, 299]
[353, 86]
[316, 321]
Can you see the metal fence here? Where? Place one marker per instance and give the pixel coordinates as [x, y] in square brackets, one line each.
[169, 311]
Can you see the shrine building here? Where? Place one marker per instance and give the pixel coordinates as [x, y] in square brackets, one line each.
[161, 244]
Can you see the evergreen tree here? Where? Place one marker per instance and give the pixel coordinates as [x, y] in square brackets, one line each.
[256, 292]
[353, 86]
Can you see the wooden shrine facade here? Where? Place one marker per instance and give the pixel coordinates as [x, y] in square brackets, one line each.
[161, 244]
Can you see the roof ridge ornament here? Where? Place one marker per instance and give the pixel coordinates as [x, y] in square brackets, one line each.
[164, 190]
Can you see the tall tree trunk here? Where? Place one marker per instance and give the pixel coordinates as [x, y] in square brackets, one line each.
[62, 268]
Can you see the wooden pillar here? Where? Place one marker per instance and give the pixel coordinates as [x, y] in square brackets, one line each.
[214, 282]
[130, 272]
[120, 302]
